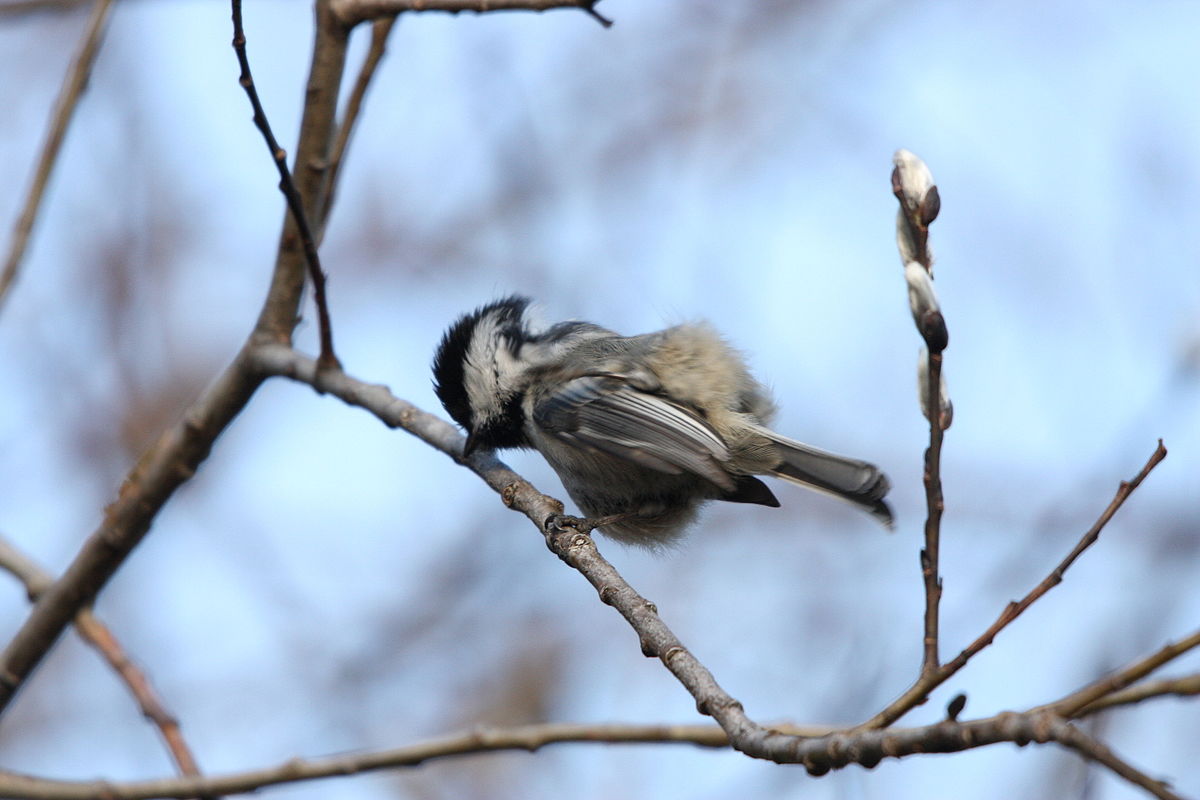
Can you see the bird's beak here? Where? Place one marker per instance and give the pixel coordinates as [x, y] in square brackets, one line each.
[472, 444]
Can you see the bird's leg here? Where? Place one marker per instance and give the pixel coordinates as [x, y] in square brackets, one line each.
[558, 522]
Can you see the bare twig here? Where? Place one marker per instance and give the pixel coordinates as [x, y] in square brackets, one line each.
[823, 752]
[174, 457]
[934, 505]
[96, 633]
[64, 109]
[1070, 736]
[1078, 702]
[286, 185]
[1164, 687]
[480, 740]
[917, 693]
[380, 30]
[167, 464]
[1015, 608]
[352, 12]
[920, 202]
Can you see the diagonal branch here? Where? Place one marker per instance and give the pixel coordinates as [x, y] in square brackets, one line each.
[920, 690]
[179, 451]
[64, 109]
[381, 29]
[98, 635]
[1079, 703]
[1070, 736]
[1164, 687]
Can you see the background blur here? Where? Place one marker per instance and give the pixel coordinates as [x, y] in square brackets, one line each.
[321, 585]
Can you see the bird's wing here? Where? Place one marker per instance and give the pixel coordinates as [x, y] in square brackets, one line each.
[608, 414]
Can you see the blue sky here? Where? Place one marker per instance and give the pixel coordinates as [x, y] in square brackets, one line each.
[310, 591]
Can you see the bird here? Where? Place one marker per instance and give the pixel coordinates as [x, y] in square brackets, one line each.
[641, 430]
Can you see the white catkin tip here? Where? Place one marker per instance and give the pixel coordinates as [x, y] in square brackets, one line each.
[921, 297]
[945, 407]
[913, 177]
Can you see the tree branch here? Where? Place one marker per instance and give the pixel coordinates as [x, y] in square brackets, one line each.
[1070, 736]
[920, 690]
[352, 12]
[175, 456]
[64, 110]
[480, 740]
[1164, 687]
[1078, 703]
[913, 186]
[98, 635]
[295, 203]
[380, 30]
[818, 753]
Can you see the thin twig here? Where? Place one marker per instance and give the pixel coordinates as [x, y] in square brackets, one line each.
[64, 109]
[917, 194]
[1014, 609]
[352, 12]
[93, 631]
[1147, 690]
[934, 505]
[380, 30]
[1070, 736]
[920, 690]
[1078, 702]
[481, 740]
[286, 185]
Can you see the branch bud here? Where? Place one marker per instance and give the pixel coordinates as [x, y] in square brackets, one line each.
[945, 407]
[926, 310]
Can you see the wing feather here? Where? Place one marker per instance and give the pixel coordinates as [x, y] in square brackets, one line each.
[607, 413]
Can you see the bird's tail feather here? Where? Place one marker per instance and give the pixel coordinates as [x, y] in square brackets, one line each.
[848, 479]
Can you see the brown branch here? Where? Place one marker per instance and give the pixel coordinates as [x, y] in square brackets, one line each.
[286, 185]
[64, 109]
[820, 753]
[929, 681]
[98, 635]
[913, 186]
[481, 740]
[179, 451]
[934, 505]
[1186, 686]
[1070, 736]
[380, 30]
[352, 12]
[1077, 703]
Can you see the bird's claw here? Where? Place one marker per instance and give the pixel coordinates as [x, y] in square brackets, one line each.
[559, 522]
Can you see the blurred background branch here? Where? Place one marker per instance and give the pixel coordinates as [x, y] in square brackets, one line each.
[98, 635]
[64, 109]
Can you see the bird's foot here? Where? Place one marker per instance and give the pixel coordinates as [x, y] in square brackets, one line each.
[559, 522]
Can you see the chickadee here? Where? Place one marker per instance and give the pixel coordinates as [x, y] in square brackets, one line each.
[642, 430]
